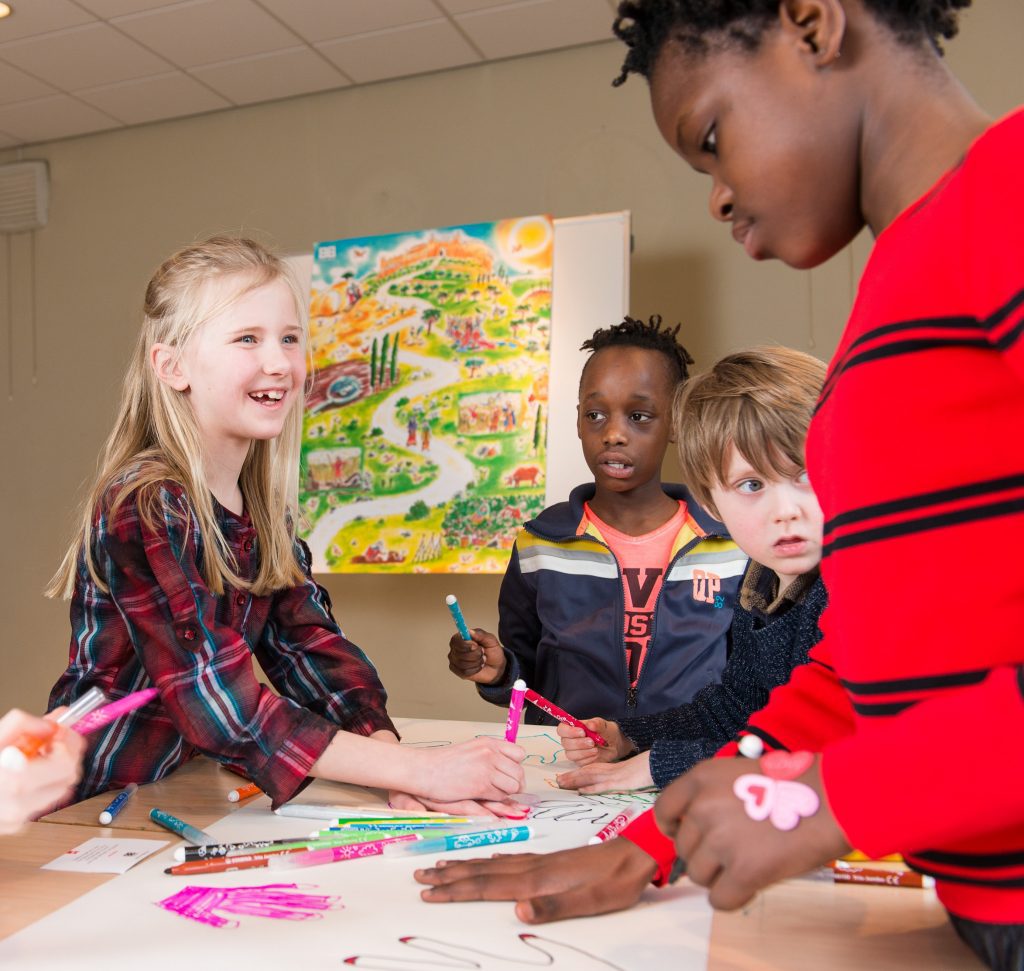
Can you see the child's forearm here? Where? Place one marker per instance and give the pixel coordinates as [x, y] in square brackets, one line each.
[377, 761]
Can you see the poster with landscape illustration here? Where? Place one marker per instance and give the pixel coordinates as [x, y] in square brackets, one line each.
[424, 440]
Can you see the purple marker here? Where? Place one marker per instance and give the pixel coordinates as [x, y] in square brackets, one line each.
[515, 710]
[106, 714]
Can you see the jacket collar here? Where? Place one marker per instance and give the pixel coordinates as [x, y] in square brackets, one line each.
[561, 521]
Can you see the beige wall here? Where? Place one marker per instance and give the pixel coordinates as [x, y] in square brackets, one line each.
[539, 134]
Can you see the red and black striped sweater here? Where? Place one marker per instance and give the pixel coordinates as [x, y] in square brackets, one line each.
[916, 693]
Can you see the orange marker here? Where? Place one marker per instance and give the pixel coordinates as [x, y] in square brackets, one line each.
[15, 756]
[244, 792]
[222, 864]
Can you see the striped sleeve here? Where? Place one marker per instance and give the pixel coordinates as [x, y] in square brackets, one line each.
[203, 669]
[307, 657]
[958, 754]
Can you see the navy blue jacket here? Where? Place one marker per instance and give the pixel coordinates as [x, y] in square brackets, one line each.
[562, 612]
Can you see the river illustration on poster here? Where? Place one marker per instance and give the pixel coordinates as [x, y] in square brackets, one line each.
[424, 438]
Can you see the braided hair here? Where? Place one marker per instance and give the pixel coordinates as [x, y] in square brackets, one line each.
[644, 25]
[648, 335]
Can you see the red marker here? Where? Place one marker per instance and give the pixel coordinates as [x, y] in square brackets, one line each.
[539, 701]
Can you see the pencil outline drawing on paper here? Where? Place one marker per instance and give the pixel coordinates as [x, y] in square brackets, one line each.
[545, 952]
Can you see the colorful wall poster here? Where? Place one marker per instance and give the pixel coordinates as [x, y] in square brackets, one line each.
[425, 432]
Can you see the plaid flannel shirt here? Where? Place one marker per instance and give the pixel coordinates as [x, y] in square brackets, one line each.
[161, 626]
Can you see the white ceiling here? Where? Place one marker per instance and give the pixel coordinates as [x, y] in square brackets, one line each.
[68, 67]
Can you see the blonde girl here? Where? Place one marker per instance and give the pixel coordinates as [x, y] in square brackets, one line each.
[186, 566]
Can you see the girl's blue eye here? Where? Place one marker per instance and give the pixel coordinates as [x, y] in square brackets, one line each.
[291, 338]
[710, 143]
[802, 478]
[750, 486]
[247, 339]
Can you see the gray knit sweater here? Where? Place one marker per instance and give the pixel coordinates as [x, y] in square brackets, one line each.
[763, 651]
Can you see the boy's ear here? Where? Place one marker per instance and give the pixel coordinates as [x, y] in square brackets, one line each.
[818, 26]
[579, 430]
[166, 364]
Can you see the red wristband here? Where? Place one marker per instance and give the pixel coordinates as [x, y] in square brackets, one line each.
[644, 833]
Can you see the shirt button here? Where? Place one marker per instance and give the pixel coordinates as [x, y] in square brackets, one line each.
[247, 546]
[189, 633]
[240, 599]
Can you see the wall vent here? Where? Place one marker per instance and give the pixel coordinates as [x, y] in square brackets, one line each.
[24, 196]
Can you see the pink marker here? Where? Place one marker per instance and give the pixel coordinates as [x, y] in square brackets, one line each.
[107, 714]
[539, 701]
[331, 854]
[515, 710]
[616, 826]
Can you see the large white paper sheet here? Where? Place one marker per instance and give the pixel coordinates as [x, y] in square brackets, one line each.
[382, 922]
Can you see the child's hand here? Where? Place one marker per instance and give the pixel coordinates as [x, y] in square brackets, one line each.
[484, 768]
[502, 809]
[728, 852]
[44, 780]
[481, 660]
[583, 750]
[634, 773]
[551, 886]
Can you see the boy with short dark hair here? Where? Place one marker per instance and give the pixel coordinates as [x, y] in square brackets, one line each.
[617, 602]
[740, 431]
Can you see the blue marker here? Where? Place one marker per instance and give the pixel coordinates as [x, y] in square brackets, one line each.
[181, 828]
[460, 621]
[462, 841]
[117, 804]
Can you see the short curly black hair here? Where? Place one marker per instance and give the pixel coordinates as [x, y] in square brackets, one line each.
[644, 25]
[648, 335]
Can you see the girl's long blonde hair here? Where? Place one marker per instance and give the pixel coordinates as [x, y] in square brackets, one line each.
[156, 438]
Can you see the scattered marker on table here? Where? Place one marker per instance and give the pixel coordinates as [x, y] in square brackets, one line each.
[244, 792]
[460, 621]
[118, 803]
[181, 828]
[355, 851]
[464, 841]
[515, 710]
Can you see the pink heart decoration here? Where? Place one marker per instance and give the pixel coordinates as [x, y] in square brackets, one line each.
[793, 801]
[782, 802]
[757, 793]
[786, 765]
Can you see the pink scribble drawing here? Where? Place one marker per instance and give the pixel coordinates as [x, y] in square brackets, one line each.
[275, 900]
[543, 952]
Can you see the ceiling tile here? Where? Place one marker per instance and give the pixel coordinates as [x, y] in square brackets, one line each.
[39, 16]
[118, 8]
[539, 25]
[207, 31]
[318, 20]
[58, 117]
[463, 6]
[267, 77]
[151, 99]
[82, 57]
[15, 85]
[401, 51]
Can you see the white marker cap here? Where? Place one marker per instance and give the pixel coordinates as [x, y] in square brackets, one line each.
[450, 599]
[179, 854]
[13, 759]
[519, 685]
[751, 746]
[105, 818]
